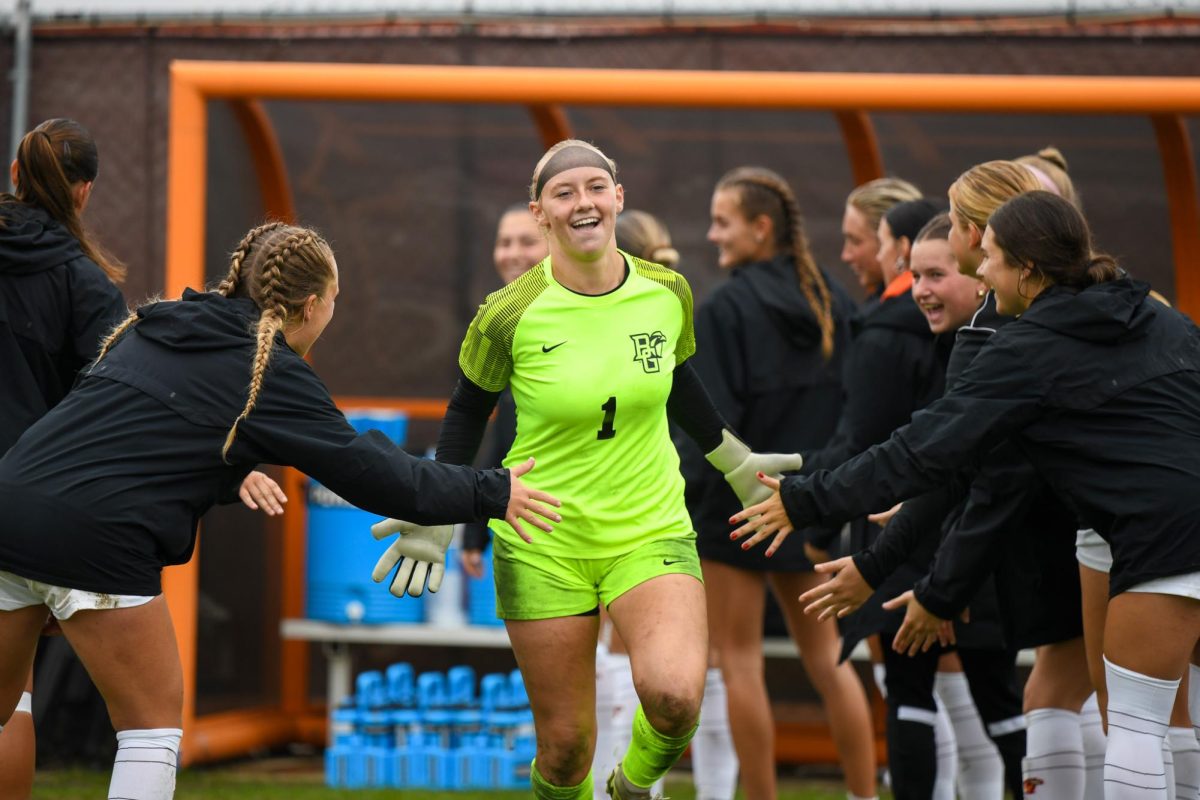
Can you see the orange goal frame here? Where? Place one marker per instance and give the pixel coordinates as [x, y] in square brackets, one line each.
[544, 92]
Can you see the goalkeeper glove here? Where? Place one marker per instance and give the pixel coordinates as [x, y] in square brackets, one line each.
[420, 551]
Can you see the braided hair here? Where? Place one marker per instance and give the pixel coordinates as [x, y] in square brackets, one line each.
[279, 267]
[761, 191]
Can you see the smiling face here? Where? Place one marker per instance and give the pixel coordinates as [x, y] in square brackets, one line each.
[860, 246]
[738, 240]
[946, 297]
[519, 245]
[579, 207]
[1011, 282]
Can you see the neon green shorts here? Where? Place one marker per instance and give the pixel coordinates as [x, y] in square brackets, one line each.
[532, 585]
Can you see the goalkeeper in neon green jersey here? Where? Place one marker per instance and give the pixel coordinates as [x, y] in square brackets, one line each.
[594, 345]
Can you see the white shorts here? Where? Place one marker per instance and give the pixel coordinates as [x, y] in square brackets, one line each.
[1187, 585]
[1092, 551]
[17, 592]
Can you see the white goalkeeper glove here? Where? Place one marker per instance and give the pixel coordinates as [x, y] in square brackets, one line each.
[419, 550]
[741, 466]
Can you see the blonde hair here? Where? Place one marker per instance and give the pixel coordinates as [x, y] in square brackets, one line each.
[563, 145]
[761, 191]
[875, 198]
[644, 235]
[279, 267]
[985, 187]
[1053, 164]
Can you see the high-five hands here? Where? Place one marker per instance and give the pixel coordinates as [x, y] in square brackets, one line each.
[740, 466]
[842, 594]
[920, 629]
[767, 518]
[420, 550]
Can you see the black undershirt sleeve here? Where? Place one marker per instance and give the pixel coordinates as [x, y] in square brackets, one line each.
[690, 407]
[465, 422]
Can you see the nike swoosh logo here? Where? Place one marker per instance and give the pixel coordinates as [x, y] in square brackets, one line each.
[552, 347]
[669, 563]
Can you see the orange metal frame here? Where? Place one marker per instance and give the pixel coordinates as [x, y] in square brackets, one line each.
[544, 91]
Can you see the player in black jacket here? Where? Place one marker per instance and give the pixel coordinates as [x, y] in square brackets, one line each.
[770, 344]
[1099, 386]
[57, 301]
[108, 487]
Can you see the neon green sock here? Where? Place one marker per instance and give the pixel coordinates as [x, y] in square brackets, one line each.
[545, 790]
[651, 755]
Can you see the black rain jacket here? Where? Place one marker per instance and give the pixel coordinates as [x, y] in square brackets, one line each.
[1100, 389]
[758, 353]
[56, 305]
[108, 487]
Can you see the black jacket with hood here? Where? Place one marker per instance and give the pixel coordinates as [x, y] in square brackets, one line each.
[1100, 389]
[758, 353]
[108, 487]
[56, 305]
[1002, 522]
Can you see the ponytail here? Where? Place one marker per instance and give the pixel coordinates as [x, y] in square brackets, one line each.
[761, 191]
[1102, 268]
[51, 159]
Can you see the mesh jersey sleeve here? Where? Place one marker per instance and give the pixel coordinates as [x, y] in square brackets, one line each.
[486, 354]
[678, 285]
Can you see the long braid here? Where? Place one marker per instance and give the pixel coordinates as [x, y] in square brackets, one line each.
[812, 282]
[274, 314]
[232, 279]
[111, 339]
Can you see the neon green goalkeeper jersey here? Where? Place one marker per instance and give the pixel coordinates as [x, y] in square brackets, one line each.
[590, 376]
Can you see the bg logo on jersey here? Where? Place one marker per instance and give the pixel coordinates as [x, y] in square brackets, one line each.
[647, 348]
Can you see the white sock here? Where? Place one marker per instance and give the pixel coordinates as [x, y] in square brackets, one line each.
[1187, 762]
[613, 720]
[980, 769]
[1194, 698]
[879, 673]
[1053, 766]
[25, 704]
[1139, 709]
[1094, 744]
[1169, 768]
[714, 761]
[144, 768]
[947, 754]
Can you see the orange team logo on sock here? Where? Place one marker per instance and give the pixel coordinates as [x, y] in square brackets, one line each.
[1031, 785]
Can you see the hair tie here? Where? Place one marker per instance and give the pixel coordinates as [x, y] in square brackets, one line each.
[1044, 179]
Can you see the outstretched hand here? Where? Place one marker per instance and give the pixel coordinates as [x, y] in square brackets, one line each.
[529, 504]
[768, 518]
[920, 629]
[842, 594]
[259, 490]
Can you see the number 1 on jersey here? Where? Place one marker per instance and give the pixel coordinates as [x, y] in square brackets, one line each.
[607, 431]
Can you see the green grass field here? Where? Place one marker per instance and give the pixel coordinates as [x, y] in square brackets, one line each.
[292, 780]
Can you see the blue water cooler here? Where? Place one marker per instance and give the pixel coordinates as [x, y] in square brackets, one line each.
[342, 552]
